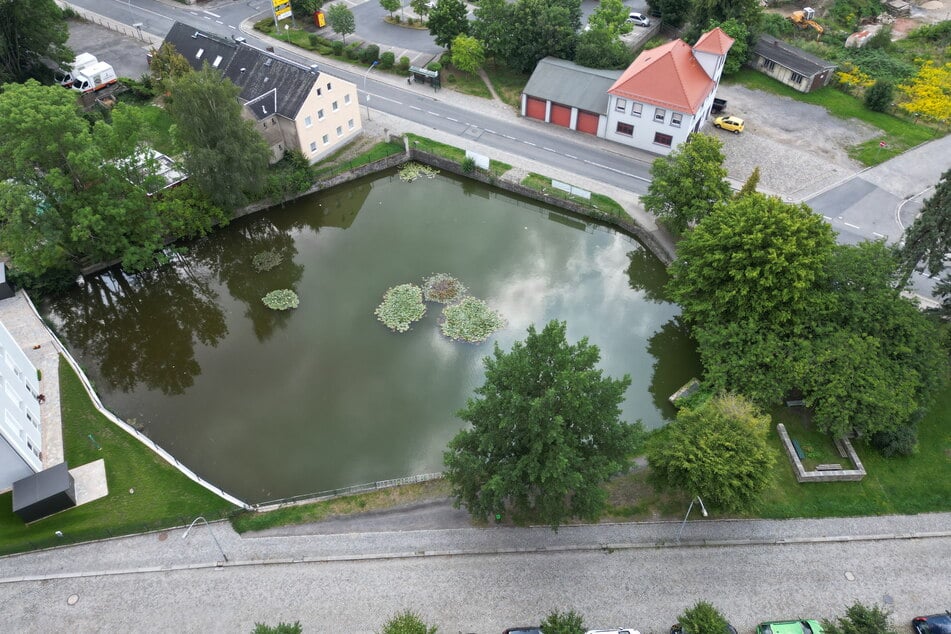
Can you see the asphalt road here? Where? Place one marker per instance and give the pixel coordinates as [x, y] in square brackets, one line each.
[642, 588]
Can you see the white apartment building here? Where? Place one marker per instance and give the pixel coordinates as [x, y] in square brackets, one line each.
[21, 437]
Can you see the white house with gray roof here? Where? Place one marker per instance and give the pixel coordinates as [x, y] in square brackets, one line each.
[791, 65]
[293, 106]
[21, 438]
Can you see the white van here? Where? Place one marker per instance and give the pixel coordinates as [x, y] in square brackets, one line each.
[94, 77]
[67, 77]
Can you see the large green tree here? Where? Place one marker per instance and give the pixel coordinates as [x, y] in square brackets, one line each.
[166, 65]
[224, 155]
[740, 51]
[686, 185]
[75, 193]
[341, 20]
[545, 432]
[673, 12]
[746, 12]
[612, 15]
[468, 55]
[753, 258]
[540, 28]
[492, 26]
[29, 32]
[447, 20]
[928, 240]
[600, 47]
[717, 450]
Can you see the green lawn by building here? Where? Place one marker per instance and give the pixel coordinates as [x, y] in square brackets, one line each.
[163, 496]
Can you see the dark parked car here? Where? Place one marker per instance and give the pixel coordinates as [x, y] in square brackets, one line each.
[523, 630]
[934, 624]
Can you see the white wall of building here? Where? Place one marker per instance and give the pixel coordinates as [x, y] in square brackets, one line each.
[21, 439]
[647, 121]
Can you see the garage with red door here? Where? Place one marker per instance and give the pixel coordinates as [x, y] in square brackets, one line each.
[560, 115]
[588, 122]
[535, 108]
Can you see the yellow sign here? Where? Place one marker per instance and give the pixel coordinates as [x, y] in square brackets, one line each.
[279, 3]
[283, 13]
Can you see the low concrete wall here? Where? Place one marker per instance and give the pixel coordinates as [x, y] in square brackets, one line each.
[843, 475]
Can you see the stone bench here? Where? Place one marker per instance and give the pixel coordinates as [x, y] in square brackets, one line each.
[828, 467]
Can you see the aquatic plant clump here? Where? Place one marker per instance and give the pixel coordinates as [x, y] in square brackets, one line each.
[470, 320]
[443, 288]
[402, 305]
[266, 260]
[281, 299]
[411, 171]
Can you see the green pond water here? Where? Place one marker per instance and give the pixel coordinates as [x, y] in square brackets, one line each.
[271, 404]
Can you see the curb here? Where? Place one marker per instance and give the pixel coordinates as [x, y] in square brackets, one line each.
[425, 554]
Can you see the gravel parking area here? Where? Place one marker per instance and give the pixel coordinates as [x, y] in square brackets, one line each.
[799, 148]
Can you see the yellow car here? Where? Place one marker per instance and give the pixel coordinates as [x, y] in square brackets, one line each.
[733, 124]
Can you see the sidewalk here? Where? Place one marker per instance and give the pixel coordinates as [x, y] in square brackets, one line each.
[166, 551]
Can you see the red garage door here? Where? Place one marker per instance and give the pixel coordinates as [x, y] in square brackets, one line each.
[560, 115]
[587, 122]
[535, 108]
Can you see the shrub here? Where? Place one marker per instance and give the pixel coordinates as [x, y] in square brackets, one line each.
[387, 60]
[337, 47]
[352, 51]
[281, 299]
[568, 622]
[902, 441]
[312, 38]
[435, 66]
[404, 64]
[470, 320]
[882, 39]
[468, 164]
[411, 21]
[703, 617]
[443, 288]
[401, 306]
[407, 622]
[370, 54]
[142, 90]
[879, 96]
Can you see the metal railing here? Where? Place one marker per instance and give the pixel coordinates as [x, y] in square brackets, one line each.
[322, 496]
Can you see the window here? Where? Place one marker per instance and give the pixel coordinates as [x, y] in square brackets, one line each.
[659, 115]
[329, 87]
[308, 122]
[663, 139]
[636, 109]
[796, 77]
[319, 91]
[346, 99]
[620, 105]
[339, 130]
[769, 64]
[313, 146]
[334, 106]
[625, 128]
[350, 124]
[325, 139]
[320, 114]
[676, 119]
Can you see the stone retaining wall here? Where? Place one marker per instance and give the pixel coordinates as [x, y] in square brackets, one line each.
[841, 475]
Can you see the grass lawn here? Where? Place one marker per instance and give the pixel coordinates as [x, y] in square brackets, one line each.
[334, 163]
[163, 496]
[598, 202]
[468, 83]
[453, 153]
[372, 501]
[507, 83]
[898, 134]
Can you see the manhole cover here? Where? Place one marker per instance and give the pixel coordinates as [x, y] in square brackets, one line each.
[850, 576]
[887, 599]
[73, 598]
[162, 536]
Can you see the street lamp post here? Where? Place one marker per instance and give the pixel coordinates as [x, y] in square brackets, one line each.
[220, 549]
[372, 66]
[703, 510]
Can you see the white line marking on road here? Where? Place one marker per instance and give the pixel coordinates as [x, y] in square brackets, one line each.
[206, 17]
[509, 137]
[572, 157]
[431, 113]
[453, 120]
[491, 131]
[849, 224]
[617, 171]
[193, 12]
[878, 235]
[399, 103]
[416, 108]
[232, 26]
[828, 218]
[218, 22]
[529, 143]
[210, 13]
[549, 149]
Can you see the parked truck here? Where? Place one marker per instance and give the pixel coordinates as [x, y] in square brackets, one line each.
[67, 77]
[94, 77]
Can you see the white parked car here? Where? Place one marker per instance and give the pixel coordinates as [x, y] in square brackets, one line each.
[639, 19]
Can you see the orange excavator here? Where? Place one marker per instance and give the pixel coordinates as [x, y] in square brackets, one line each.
[805, 19]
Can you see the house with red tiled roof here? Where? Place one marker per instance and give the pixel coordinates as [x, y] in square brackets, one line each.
[666, 93]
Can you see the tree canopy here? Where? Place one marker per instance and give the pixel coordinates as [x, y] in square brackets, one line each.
[29, 32]
[540, 28]
[447, 20]
[702, 618]
[166, 65]
[600, 47]
[341, 20]
[224, 155]
[928, 240]
[73, 192]
[861, 619]
[467, 53]
[686, 185]
[545, 432]
[407, 622]
[717, 450]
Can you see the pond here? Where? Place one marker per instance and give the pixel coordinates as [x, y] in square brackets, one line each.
[270, 404]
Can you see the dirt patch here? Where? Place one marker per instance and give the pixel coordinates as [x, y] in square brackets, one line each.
[798, 147]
